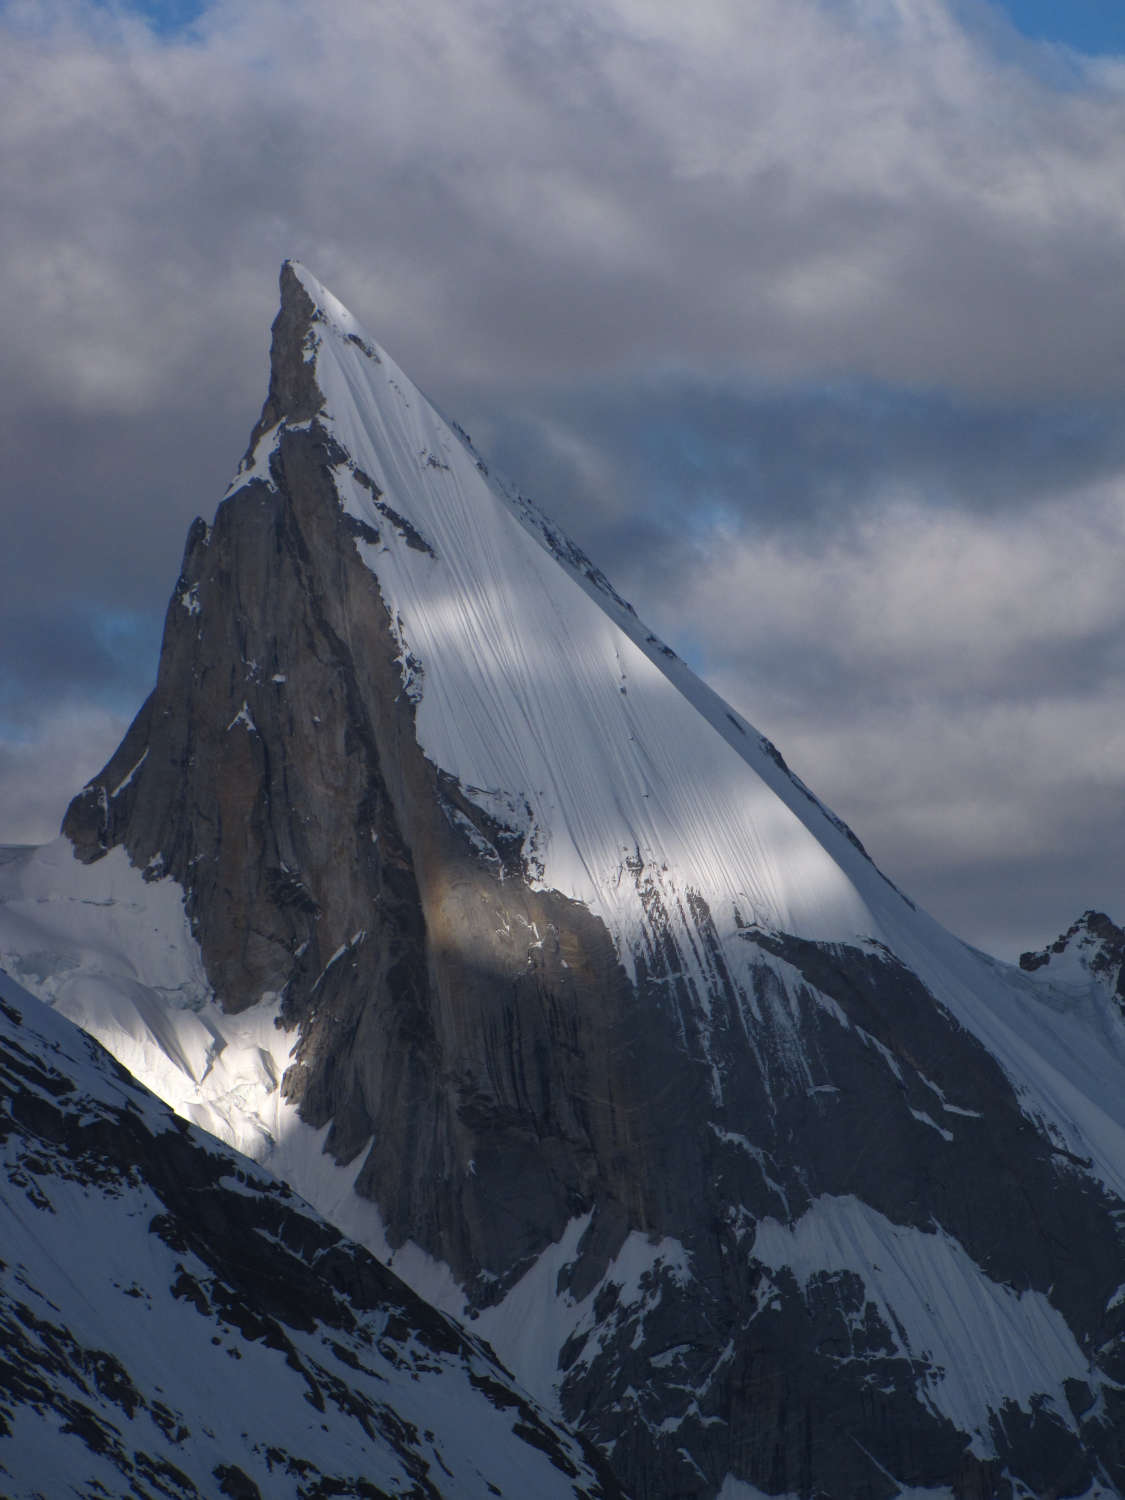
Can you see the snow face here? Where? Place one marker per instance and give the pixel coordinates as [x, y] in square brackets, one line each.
[114, 953]
[635, 787]
[535, 1319]
[104, 918]
[940, 1309]
[545, 705]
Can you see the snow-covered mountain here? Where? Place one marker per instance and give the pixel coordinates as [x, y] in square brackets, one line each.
[429, 877]
[175, 1322]
[1090, 950]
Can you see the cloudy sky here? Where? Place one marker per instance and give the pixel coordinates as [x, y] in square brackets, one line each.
[805, 317]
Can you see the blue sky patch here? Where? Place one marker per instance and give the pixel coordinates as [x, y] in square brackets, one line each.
[166, 17]
[1096, 27]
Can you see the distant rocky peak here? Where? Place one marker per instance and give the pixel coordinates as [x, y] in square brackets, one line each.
[1092, 947]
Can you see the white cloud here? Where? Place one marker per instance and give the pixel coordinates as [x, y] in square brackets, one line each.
[791, 187]
[956, 599]
[951, 684]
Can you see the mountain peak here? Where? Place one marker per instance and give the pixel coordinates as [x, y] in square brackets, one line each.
[299, 287]
[1091, 948]
[293, 392]
[532, 959]
[296, 276]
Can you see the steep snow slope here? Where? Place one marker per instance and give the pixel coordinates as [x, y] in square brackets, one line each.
[114, 953]
[175, 1322]
[557, 717]
[577, 728]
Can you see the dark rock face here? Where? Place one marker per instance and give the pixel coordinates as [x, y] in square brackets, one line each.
[240, 1334]
[502, 1087]
[1099, 947]
[794, 1356]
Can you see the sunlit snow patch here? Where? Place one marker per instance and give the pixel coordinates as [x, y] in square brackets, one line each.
[114, 953]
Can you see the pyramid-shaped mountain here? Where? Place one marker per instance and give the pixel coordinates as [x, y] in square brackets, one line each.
[430, 877]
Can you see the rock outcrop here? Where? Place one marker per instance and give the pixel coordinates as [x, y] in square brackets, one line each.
[1091, 948]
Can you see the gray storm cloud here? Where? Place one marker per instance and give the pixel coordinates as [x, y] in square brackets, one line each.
[806, 318]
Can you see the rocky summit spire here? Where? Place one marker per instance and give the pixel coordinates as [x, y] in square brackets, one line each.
[293, 393]
[612, 1033]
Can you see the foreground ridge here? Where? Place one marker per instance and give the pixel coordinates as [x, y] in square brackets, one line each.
[435, 881]
[178, 1323]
